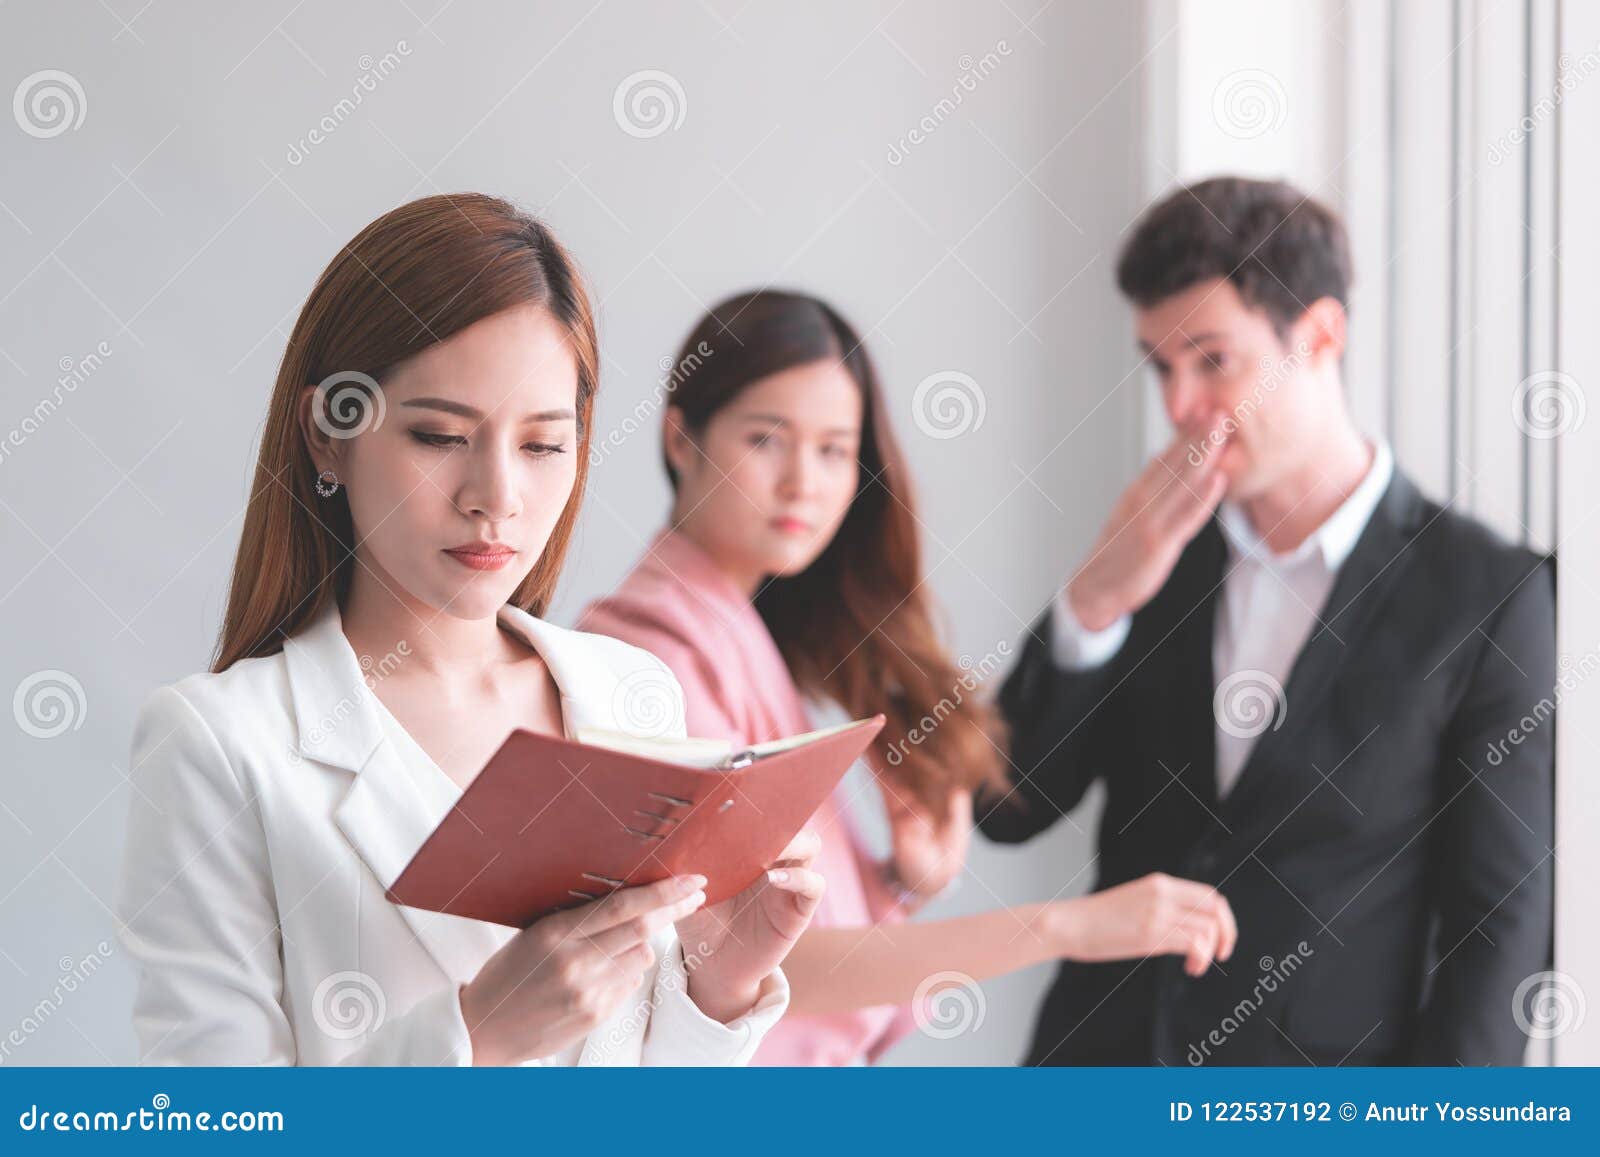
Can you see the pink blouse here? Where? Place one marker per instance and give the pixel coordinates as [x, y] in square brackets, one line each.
[677, 605]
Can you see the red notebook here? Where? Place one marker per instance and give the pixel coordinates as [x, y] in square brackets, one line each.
[550, 823]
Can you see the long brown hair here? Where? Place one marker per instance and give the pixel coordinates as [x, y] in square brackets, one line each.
[412, 278]
[857, 625]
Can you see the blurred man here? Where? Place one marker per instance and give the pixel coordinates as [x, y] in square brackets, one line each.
[1299, 680]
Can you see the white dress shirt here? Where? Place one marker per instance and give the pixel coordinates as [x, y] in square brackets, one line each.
[274, 803]
[1270, 604]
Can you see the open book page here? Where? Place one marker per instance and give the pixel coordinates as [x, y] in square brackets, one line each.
[702, 753]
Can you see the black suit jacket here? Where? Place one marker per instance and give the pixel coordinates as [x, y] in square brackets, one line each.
[1386, 848]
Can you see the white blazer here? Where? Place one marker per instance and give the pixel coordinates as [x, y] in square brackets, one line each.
[276, 800]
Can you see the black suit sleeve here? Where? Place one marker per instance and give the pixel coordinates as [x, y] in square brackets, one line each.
[1493, 874]
[1059, 723]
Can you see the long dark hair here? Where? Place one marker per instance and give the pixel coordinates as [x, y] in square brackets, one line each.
[414, 277]
[857, 625]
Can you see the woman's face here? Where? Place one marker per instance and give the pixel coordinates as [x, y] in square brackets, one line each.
[766, 484]
[474, 443]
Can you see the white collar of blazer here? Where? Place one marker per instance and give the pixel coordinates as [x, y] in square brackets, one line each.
[394, 803]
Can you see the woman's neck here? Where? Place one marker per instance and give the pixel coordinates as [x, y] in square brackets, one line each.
[747, 581]
[377, 620]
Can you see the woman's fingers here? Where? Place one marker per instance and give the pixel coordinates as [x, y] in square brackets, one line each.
[961, 808]
[801, 881]
[800, 851]
[639, 930]
[1202, 949]
[625, 904]
[1212, 909]
[1180, 936]
[1188, 938]
[805, 889]
[1210, 935]
[605, 999]
[598, 970]
[1196, 922]
[1230, 928]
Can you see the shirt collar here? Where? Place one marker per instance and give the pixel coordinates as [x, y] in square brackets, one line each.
[1335, 538]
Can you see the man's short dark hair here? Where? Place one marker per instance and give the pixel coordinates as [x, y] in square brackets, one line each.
[1280, 249]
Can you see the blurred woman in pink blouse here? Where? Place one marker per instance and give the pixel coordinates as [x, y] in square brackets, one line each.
[791, 571]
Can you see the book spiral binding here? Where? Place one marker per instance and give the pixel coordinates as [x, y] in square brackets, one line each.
[744, 757]
[611, 882]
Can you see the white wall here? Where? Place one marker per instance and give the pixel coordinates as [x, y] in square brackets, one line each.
[1577, 125]
[173, 225]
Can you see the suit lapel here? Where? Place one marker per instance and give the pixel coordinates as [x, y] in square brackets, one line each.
[633, 691]
[1364, 583]
[396, 797]
[388, 812]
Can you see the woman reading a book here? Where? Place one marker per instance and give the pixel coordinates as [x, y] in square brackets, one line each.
[790, 572]
[420, 471]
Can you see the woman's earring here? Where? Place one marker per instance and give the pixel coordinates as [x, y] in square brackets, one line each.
[327, 484]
